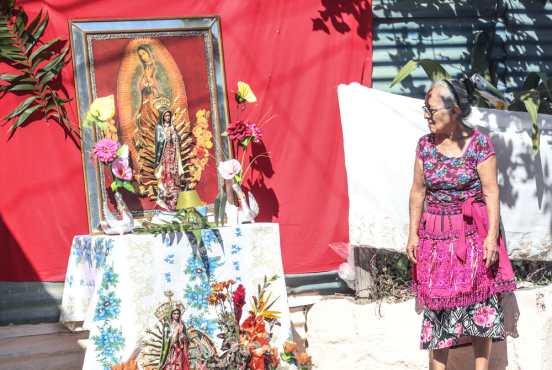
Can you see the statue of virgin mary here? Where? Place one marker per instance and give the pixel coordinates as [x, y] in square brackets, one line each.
[168, 162]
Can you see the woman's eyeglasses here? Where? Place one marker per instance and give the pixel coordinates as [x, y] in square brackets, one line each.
[431, 111]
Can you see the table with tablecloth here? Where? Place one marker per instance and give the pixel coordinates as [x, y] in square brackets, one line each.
[115, 284]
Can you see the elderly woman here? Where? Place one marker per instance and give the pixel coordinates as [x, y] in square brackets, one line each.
[460, 261]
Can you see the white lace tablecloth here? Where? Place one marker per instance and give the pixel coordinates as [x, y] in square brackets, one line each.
[114, 284]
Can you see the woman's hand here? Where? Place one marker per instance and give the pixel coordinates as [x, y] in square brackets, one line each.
[411, 247]
[490, 251]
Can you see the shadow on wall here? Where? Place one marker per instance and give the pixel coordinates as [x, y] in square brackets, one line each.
[535, 170]
[334, 14]
[444, 31]
[25, 302]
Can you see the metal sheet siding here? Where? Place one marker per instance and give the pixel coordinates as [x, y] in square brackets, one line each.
[444, 31]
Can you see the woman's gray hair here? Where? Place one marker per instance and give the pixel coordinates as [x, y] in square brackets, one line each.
[455, 93]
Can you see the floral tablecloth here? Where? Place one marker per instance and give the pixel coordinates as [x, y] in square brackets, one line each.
[117, 284]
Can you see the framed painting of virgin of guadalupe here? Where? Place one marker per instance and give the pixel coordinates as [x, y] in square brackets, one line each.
[167, 79]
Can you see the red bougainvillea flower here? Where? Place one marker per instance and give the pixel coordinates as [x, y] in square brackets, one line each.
[238, 298]
[105, 150]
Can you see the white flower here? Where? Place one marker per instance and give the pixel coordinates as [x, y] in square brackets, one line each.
[228, 169]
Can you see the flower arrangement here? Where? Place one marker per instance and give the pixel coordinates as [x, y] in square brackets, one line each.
[108, 150]
[241, 134]
[247, 346]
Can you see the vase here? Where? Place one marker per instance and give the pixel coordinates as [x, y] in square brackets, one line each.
[122, 223]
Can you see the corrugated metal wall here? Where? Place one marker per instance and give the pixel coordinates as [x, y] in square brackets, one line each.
[444, 31]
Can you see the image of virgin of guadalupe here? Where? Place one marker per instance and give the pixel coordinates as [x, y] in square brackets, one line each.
[154, 121]
[168, 162]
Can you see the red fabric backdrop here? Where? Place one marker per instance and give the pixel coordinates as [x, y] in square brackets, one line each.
[293, 54]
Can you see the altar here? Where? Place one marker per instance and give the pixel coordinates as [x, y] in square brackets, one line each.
[117, 285]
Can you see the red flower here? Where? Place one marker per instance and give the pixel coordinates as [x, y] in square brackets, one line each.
[238, 131]
[239, 301]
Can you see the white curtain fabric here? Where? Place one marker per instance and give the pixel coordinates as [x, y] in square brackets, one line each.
[380, 132]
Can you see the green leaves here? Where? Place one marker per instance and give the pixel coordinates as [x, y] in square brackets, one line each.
[531, 100]
[433, 69]
[21, 107]
[18, 48]
[187, 220]
[220, 207]
[479, 55]
[122, 184]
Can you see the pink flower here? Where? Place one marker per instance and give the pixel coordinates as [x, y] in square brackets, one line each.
[484, 316]
[228, 169]
[446, 343]
[458, 329]
[121, 169]
[105, 150]
[254, 131]
[427, 331]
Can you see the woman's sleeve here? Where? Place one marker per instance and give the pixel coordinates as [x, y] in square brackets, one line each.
[420, 148]
[484, 148]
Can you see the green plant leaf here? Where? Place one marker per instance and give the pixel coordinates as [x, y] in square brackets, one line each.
[38, 33]
[197, 235]
[407, 69]
[51, 65]
[220, 206]
[20, 22]
[531, 100]
[128, 186]
[31, 27]
[49, 76]
[15, 78]
[17, 87]
[114, 186]
[23, 117]
[433, 69]
[544, 79]
[531, 81]
[479, 58]
[16, 58]
[44, 47]
[21, 107]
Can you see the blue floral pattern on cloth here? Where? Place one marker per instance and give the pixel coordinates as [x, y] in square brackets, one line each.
[91, 251]
[201, 269]
[201, 323]
[109, 341]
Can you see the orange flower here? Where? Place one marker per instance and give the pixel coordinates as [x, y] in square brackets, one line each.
[212, 299]
[274, 357]
[217, 287]
[303, 359]
[290, 346]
